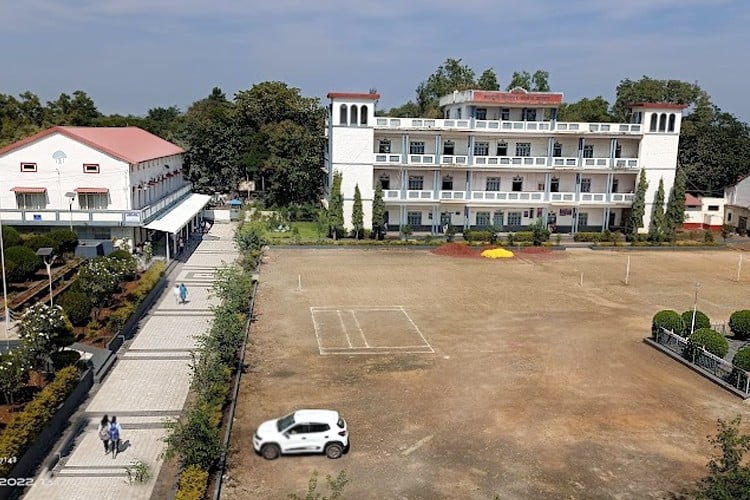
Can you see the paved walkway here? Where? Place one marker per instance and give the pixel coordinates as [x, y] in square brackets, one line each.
[148, 384]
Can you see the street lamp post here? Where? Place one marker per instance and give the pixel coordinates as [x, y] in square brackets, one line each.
[46, 253]
[71, 196]
[695, 307]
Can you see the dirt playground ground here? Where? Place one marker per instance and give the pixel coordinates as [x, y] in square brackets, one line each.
[470, 378]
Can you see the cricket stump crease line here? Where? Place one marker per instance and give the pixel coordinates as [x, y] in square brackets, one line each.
[315, 326]
[359, 327]
[356, 308]
[343, 328]
[416, 328]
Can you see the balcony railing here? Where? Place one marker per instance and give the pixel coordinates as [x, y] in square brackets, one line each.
[534, 161]
[626, 163]
[387, 158]
[385, 122]
[454, 160]
[421, 159]
[508, 196]
[94, 217]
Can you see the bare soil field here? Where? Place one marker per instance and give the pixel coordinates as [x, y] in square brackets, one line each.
[470, 378]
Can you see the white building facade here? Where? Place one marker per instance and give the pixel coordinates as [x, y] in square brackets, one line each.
[502, 159]
[105, 183]
[737, 204]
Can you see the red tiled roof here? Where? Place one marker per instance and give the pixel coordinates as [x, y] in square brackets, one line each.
[29, 189]
[130, 144]
[91, 190]
[657, 105]
[353, 95]
[518, 96]
[691, 200]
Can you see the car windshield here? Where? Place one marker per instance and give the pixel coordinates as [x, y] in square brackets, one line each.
[285, 422]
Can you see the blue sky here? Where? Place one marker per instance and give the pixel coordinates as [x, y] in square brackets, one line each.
[132, 55]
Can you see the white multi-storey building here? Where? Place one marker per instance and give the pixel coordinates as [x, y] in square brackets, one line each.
[499, 158]
[102, 182]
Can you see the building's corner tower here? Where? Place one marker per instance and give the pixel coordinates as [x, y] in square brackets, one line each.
[658, 148]
[350, 134]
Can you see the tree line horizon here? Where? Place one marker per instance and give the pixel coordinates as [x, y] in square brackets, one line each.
[273, 135]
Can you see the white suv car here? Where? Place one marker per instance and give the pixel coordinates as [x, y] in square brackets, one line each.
[303, 431]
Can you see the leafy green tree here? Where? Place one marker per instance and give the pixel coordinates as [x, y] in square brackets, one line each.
[638, 210]
[651, 90]
[378, 212]
[488, 80]
[656, 226]
[449, 76]
[14, 373]
[585, 110]
[336, 207]
[43, 331]
[729, 473]
[11, 238]
[213, 152]
[540, 233]
[322, 223]
[20, 263]
[163, 122]
[196, 439]
[357, 212]
[79, 110]
[675, 213]
[538, 82]
[520, 79]
[282, 142]
[410, 109]
[714, 149]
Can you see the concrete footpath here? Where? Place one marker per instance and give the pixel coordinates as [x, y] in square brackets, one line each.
[148, 384]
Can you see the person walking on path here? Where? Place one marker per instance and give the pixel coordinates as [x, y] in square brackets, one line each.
[177, 293]
[183, 293]
[114, 436]
[104, 433]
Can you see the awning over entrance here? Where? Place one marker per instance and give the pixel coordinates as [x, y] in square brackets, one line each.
[91, 190]
[180, 214]
[29, 190]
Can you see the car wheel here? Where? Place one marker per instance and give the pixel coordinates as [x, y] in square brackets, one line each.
[334, 450]
[270, 452]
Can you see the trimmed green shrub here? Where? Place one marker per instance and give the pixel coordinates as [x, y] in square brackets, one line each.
[593, 237]
[477, 235]
[147, 282]
[701, 321]
[21, 263]
[668, 319]
[11, 238]
[120, 254]
[710, 340]
[37, 241]
[119, 317]
[742, 359]
[77, 307]
[61, 359]
[739, 324]
[524, 237]
[25, 427]
[193, 483]
[65, 240]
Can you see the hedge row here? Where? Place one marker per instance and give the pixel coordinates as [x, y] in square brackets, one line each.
[197, 437]
[25, 427]
[193, 483]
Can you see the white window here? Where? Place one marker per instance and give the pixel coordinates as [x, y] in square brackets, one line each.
[502, 149]
[416, 182]
[588, 151]
[523, 149]
[557, 150]
[28, 167]
[416, 147]
[481, 113]
[384, 146]
[586, 185]
[514, 218]
[583, 220]
[505, 114]
[517, 184]
[93, 201]
[713, 208]
[414, 218]
[90, 168]
[385, 181]
[493, 184]
[31, 201]
[481, 148]
[483, 218]
[449, 148]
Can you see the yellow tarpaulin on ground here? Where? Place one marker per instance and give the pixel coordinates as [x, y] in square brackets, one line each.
[497, 253]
